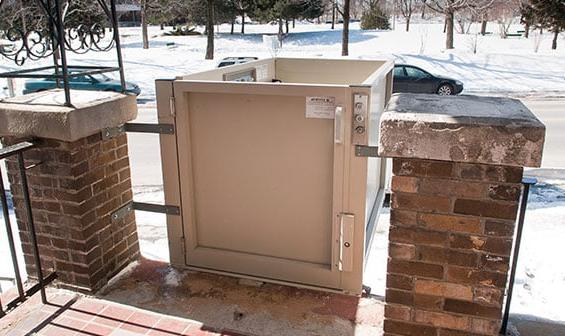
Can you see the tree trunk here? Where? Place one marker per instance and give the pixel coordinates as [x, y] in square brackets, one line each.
[294, 22]
[408, 24]
[423, 11]
[555, 37]
[23, 17]
[243, 22]
[280, 33]
[449, 30]
[484, 27]
[144, 32]
[210, 30]
[444, 26]
[286, 26]
[232, 25]
[345, 32]
[333, 14]
[527, 30]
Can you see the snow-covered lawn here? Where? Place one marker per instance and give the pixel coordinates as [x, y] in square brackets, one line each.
[500, 65]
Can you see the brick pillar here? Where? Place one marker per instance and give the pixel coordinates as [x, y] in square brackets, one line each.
[79, 180]
[455, 195]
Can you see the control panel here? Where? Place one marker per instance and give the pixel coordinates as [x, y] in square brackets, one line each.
[360, 116]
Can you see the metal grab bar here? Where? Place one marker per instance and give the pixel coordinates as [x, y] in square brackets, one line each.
[18, 150]
[527, 183]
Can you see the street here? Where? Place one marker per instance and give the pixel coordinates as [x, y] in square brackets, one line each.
[146, 160]
[552, 114]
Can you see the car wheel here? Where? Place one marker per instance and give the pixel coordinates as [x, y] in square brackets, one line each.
[445, 90]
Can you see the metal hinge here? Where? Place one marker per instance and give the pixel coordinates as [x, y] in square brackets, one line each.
[366, 151]
[158, 208]
[172, 106]
[183, 245]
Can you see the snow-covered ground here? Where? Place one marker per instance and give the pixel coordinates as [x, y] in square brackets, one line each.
[500, 65]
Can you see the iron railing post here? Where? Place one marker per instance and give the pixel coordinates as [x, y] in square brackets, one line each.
[31, 226]
[116, 32]
[61, 35]
[527, 183]
[9, 233]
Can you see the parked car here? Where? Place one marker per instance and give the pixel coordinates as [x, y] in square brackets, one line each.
[98, 82]
[411, 79]
[235, 60]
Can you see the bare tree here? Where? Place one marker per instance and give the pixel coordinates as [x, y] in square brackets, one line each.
[406, 9]
[210, 29]
[144, 31]
[505, 11]
[345, 32]
[449, 8]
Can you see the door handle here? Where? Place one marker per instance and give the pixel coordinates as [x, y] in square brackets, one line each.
[339, 127]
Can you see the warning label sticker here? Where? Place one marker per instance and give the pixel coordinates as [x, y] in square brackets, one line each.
[320, 107]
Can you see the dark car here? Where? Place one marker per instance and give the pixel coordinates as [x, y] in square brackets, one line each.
[235, 60]
[411, 79]
[98, 82]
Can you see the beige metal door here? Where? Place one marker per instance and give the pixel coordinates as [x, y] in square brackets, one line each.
[261, 182]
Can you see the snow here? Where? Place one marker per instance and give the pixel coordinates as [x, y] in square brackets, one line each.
[508, 66]
[500, 65]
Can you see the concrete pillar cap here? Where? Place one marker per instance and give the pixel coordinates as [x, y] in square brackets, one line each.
[472, 129]
[43, 114]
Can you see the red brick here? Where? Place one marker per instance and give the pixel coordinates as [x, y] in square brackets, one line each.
[488, 296]
[399, 297]
[419, 202]
[500, 246]
[450, 223]
[481, 172]
[468, 308]
[476, 277]
[485, 327]
[424, 168]
[499, 228]
[415, 268]
[408, 329]
[397, 281]
[418, 236]
[403, 218]
[486, 208]
[449, 332]
[442, 320]
[404, 184]
[444, 289]
[504, 192]
[397, 312]
[428, 302]
[494, 263]
[452, 188]
[402, 251]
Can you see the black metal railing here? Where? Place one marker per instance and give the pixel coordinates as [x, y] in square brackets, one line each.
[18, 150]
[526, 183]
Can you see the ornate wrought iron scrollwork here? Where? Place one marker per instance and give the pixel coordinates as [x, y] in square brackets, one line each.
[83, 39]
[33, 45]
[57, 32]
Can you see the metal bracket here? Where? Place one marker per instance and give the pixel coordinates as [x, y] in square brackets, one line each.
[366, 151]
[157, 208]
[150, 128]
[112, 132]
[122, 212]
